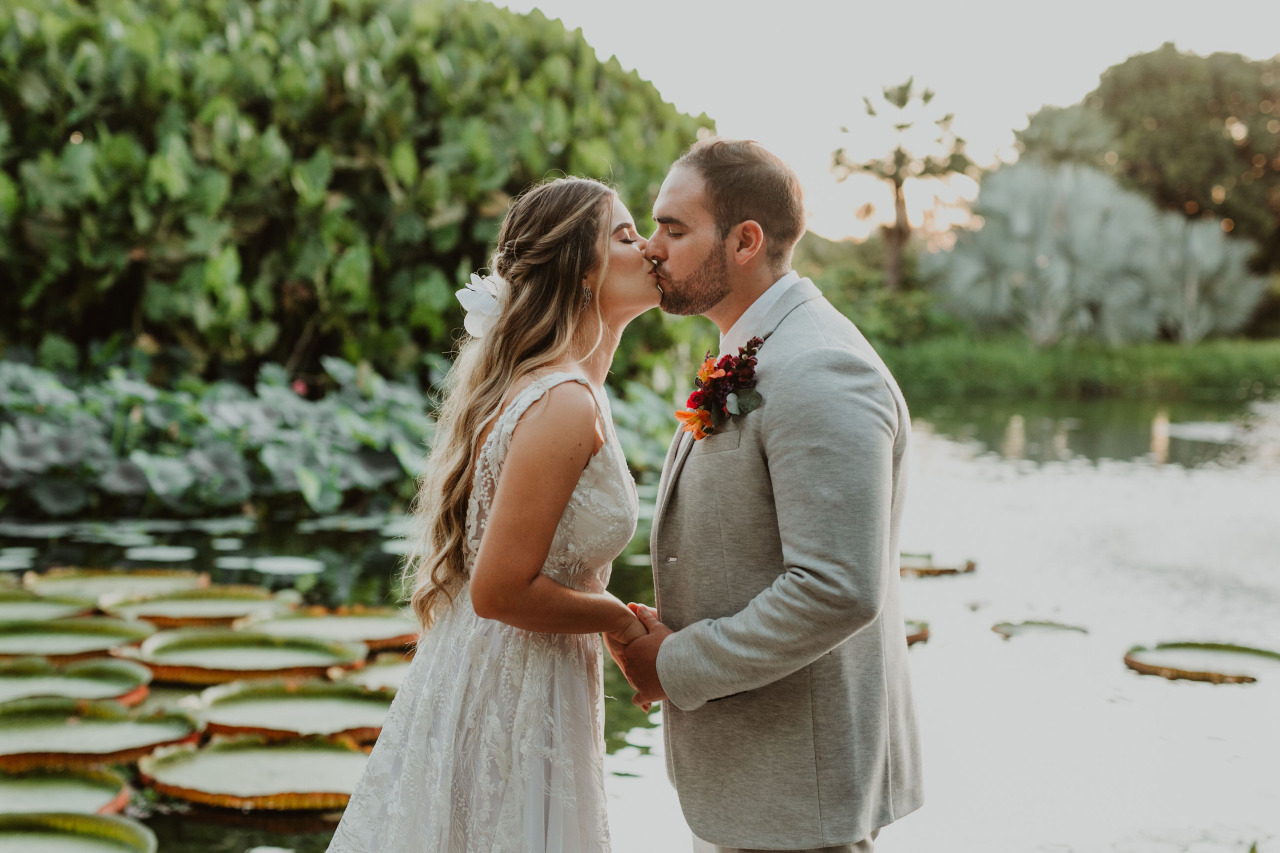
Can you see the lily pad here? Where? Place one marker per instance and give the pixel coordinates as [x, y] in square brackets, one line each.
[1217, 663]
[379, 628]
[25, 605]
[397, 547]
[922, 566]
[84, 791]
[77, 733]
[216, 656]
[98, 678]
[65, 640]
[95, 583]
[249, 773]
[278, 708]
[15, 562]
[161, 554]
[917, 632]
[212, 606]
[56, 832]
[1009, 630]
[226, 543]
[287, 565]
[233, 563]
[34, 530]
[385, 671]
[343, 523]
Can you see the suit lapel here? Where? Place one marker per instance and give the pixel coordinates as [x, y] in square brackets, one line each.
[801, 292]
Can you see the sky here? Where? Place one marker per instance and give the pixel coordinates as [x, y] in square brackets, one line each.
[791, 74]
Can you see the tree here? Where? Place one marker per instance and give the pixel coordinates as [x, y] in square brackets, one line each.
[903, 164]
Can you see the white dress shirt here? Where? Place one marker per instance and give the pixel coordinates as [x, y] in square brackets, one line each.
[745, 327]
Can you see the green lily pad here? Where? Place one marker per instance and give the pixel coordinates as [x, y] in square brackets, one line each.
[287, 565]
[277, 708]
[917, 632]
[82, 791]
[15, 562]
[97, 678]
[234, 525]
[18, 605]
[34, 530]
[1217, 663]
[44, 832]
[234, 562]
[161, 554]
[66, 640]
[216, 656]
[95, 583]
[378, 628]
[226, 543]
[343, 523]
[77, 733]
[922, 566]
[385, 671]
[212, 606]
[397, 547]
[249, 773]
[1009, 630]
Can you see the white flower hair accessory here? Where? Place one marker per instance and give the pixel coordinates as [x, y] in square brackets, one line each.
[481, 298]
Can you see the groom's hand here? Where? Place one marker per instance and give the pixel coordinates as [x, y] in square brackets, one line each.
[640, 658]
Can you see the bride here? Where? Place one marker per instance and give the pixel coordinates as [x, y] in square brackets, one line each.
[495, 739]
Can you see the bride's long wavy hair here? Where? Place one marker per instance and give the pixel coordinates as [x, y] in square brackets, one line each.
[552, 237]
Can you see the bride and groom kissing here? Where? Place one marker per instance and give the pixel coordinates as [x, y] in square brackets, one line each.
[776, 648]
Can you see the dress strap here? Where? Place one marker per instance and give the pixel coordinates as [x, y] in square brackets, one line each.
[530, 394]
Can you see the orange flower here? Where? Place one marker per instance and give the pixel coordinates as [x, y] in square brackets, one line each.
[696, 421]
[708, 370]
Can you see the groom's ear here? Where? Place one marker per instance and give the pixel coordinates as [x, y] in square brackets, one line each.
[746, 242]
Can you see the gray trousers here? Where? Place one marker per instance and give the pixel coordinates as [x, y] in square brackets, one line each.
[866, 845]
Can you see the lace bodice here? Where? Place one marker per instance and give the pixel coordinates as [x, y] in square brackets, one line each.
[601, 516]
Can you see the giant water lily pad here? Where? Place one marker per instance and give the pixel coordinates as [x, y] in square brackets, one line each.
[385, 671]
[121, 583]
[287, 565]
[66, 640]
[1008, 630]
[161, 553]
[917, 632]
[1218, 663]
[277, 708]
[82, 791]
[922, 566]
[55, 832]
[21, 605]
[249, 773]
[76, 733]
[213, 606]
[216, 656]
[378, 628]
[97, 678]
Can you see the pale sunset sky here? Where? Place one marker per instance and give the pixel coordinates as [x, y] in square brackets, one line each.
[791, 74]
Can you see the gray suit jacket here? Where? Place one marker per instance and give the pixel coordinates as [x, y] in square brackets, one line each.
[789, 721]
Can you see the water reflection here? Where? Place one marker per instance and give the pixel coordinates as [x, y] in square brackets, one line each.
[1042, 432]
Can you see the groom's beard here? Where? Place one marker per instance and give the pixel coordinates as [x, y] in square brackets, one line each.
[702, 290]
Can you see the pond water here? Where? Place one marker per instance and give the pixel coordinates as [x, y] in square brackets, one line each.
[1138, 522]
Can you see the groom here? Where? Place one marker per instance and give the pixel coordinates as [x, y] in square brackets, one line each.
[781, 656]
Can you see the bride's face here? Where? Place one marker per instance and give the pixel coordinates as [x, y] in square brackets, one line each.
[629, 288]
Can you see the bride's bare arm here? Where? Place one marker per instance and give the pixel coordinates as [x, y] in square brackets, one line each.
[550, 447]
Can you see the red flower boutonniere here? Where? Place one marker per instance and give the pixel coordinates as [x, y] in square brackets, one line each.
[725, 387]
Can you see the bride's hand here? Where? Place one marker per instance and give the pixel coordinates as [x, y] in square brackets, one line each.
[629, 629]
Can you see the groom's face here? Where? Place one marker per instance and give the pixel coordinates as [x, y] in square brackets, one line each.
[686, 248]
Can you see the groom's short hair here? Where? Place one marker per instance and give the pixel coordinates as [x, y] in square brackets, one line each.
[744, 180]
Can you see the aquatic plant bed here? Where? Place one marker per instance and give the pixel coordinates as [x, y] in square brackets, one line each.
[83, 791]
[249, 773]
[76, 733]
[103, 584]
[96, 678]
[63, 641]
[378, 628]
[216, 656]
[73, 833]
[283, 709]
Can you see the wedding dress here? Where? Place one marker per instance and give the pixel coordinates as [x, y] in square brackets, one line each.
[495, 740]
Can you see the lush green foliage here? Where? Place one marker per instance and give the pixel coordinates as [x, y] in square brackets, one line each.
[1199, 135]
[243, 181]
[952, 368]
[120, 446]
[1065, 253]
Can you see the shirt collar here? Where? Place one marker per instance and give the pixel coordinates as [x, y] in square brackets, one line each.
[745, 327]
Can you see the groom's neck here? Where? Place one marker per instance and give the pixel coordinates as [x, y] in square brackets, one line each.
[741, 295]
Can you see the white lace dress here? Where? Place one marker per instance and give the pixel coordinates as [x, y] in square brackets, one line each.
[495, 740]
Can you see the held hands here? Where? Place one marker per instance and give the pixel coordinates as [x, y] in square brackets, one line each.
[638, 657]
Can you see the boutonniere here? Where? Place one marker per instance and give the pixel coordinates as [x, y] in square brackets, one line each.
[725, 387]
